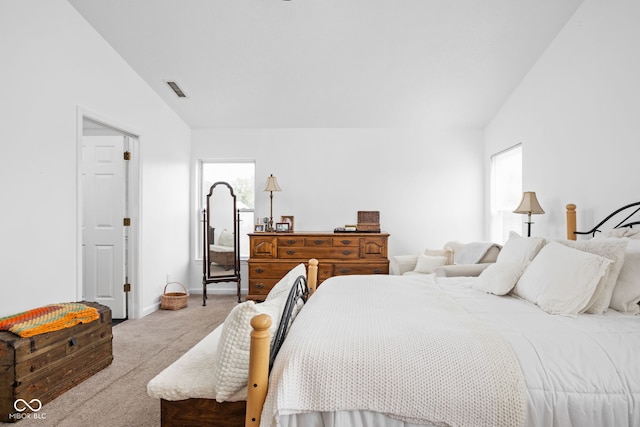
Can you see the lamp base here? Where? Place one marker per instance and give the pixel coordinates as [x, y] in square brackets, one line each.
[529, 228]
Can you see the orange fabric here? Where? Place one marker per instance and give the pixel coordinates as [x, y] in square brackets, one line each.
[49, 318]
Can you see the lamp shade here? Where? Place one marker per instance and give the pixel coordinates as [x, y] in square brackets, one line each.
[529, 204]
[272, 184]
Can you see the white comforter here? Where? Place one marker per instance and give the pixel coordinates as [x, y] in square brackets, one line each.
[405, 349]
[578, 372]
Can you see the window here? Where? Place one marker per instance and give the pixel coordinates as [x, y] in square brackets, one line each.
[506, 192]
[241, 176]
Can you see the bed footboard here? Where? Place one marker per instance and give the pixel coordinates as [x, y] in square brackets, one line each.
[259, 356]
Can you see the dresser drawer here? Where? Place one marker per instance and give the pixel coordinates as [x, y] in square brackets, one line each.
[291, 241]
[343, 269]
[316, 241]
[345, 241]
[270, 270]
[261, 287]
[321, 252]
[325, 270]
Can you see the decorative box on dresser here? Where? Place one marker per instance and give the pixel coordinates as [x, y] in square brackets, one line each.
[272, 255]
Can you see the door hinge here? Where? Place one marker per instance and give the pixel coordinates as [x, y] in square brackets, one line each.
[126, 222]
[127, 287]
[127, 155]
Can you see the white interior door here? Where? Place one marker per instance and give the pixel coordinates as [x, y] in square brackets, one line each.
[104, 186]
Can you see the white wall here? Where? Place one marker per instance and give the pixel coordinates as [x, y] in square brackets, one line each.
[578, 117]
[53, 62]
[427, 185]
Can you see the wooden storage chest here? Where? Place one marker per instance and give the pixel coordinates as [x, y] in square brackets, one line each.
[272, 255]
[44, 366]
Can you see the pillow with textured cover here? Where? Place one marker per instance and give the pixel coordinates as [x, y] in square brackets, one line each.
[231, 364]
[613, 249]
[562, 280]
[626, 293]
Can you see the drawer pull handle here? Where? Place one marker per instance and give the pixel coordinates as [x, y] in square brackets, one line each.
[291, 252]
[347, 252]
[318, 242]
[290, 242]
[259, 285]
[377, 271]
[73, 342]
[344, 270]
[345, 242]
[259, 270]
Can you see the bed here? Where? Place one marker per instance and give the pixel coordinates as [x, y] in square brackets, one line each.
[514, 346]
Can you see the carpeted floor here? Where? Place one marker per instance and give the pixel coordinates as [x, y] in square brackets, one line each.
[117, 396]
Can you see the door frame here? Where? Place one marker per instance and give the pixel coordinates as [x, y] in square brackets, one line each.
[133, 200]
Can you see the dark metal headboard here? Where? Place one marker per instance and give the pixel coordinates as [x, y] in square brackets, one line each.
[299, 291]
[633, 208]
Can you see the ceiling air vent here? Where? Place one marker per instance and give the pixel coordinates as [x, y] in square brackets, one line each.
[174, 86]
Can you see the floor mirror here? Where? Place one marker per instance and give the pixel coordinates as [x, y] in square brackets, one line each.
[221, 249]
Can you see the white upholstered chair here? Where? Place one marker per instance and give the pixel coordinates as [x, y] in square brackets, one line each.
[460, 259]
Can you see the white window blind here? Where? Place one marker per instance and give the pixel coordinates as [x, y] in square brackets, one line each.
[506, 192]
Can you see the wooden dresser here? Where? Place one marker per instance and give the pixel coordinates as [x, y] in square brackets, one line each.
[272, 255]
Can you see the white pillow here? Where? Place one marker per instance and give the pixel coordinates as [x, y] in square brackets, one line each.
[446, 252]
[561, 280]
[626, 293]
[520, 249]
[231, 363]
[613, 249]
[225, 238]
[498, 278]
[284, 285]
[427, 263]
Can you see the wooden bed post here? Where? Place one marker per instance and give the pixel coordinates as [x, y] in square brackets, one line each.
[571, 221]
[312, 275]
[258, 369]
[259, 350]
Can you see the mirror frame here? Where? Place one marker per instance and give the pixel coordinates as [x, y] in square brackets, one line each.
[206, 262]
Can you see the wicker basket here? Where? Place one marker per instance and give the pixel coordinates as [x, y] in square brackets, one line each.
[174, 300]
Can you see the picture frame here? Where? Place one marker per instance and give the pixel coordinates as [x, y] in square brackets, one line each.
[259, 228]
[287, 219]
[282, 227]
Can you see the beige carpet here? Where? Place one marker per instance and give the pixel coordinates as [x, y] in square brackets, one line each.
[117, 396]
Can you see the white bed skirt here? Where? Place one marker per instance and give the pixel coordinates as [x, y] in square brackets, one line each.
[342, 419]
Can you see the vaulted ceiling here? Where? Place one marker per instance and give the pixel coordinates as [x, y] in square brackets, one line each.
[331, 63]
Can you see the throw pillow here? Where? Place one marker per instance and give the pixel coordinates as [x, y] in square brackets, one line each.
[427, 263]
[520, 249]
[225, 238]
[561, 280]
[498, 278]
[447, 252]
